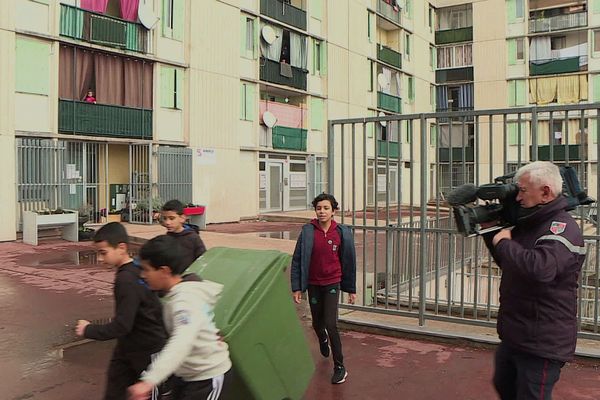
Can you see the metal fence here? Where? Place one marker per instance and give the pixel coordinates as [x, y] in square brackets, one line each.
[411, 259]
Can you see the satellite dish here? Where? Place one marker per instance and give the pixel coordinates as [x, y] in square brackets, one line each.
[269, 119]
[383, 81]
[383, 123]
[268, 34]
[146, 15]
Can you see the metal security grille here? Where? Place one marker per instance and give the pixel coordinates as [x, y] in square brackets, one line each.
[175, 173]
[391, 188]
[142, 204]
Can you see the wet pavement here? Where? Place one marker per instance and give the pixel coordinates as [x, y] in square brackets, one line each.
[44, 290]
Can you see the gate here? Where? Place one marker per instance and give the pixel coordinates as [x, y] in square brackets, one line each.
[391, 174]
[143, 205]
[175, 173]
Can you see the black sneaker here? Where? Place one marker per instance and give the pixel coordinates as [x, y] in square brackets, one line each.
[324, 347]
[339, 374]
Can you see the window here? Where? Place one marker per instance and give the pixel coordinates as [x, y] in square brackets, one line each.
[520, 49]
[171, 95]
[516, 133]
[455, 56]
[408, 9]
[250, 35]
[369, 27]
[557, 132]
[317, 66]
[430, 19]
[247, 102]
[371, 76]
[317, 9]
[172, 19]
[407, 45]
[317, 114]
[411, 89]
[32, 66]
[516, 51]
[432, 96]
[557, 43]
[516, 93]
[432, 135]
[432, 57]
[319, 58]
[597, 41]
[519, 9]
[454, 17]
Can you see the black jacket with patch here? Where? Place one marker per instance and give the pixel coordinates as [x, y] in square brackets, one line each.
[538, 291]
[190, 242]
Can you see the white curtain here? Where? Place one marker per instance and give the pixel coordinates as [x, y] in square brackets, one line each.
[540, 48]
[272, 51]
[297, 50]
[573, 51]
[387, 73]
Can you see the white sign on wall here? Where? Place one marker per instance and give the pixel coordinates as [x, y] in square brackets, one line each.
[262, 177]
[381, 183]
[298, 180]
[206, 156]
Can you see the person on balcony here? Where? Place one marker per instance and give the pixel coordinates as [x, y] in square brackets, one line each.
[89, 97]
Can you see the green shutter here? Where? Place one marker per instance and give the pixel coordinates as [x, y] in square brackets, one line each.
[243, 101]
[317, 9]
[512, 52]
[521, 91]
[369, 36]
[178, 19]
[32, 65]
[166, 31]
[180, 87]
[250, 108]
[255, 38]
[323, 58]
[511, 12]
[433, 135]
[513, 133]
[316, 114]
[409, 9]
[512, 93]
[314, 57]
[166, 87]
[596, 87]
[594, 130]
[596, 6]
[243, 35]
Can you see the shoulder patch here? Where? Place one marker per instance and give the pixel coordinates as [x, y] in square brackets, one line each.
[558, 227]
[182, 317]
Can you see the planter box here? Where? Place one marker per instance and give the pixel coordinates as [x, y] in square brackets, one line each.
[32, 221]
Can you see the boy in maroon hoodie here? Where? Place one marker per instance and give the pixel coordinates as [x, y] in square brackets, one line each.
[324, 263]
[186, 234]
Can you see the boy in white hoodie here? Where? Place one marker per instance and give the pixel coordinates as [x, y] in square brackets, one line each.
[194, 353]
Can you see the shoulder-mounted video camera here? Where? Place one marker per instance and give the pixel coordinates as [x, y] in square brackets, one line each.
[501, 202]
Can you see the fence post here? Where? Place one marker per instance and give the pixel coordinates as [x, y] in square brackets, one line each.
[423, 222]
[330, 158]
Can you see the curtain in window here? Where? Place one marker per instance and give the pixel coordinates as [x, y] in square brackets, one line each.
[84, 74]
[579, 50]
[442, 97]
[137, 79]
[543, 90]
[387, 73]
[98, 6]
[539, 49]
[297, 50]
[272, 51]
[465, 96]
[129, 9]
[109, 79]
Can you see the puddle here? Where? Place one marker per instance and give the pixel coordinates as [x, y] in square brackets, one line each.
[287, 235]
[66, 259]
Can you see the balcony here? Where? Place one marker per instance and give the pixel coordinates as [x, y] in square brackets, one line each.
[459, 154]
[389, 12]
[83, 118]
[289, 138]
[389, 56]
[461, 74]
[389, 102]
[554, 66]
[384, 148]
[284, 12]
[559, 152]
[558, 22]
[104, 30]
[270, 71]
[454, 35]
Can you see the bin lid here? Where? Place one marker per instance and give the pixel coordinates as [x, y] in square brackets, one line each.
[246, 276]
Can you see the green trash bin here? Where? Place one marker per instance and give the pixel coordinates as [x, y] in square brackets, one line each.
[257, 318]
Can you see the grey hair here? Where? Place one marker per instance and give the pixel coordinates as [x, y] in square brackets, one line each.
[542, 173]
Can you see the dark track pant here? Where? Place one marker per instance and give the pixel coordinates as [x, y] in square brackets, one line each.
[522, 376]
[323, 302]
[209, 389]
[124, 371]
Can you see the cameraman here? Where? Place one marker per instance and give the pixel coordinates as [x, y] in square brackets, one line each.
[540, 258]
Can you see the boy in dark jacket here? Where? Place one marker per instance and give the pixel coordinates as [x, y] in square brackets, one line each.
[137, 324]
[324, 262]
[186, 234]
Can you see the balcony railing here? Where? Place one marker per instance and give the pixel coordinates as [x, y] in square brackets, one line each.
[102, 29]
[389, 102]
[554, 66]
[388, 11]
[389, 56]
[384, 148]
[83, 118]
[454, 35]
[284, 12]
[558, 22]
[289, 138]
[270, 71]
[559, 152]
[466, 154]
[454, 74]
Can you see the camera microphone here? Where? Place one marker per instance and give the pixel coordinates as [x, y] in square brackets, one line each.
[462, 194]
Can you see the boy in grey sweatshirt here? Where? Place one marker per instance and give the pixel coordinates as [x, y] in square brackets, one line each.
[194, 353]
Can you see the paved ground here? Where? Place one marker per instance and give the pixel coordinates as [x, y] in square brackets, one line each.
[44, 290]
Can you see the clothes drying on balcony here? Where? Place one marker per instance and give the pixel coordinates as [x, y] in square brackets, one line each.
[286, 114]
[540, 51]
[285, 69]
[98, 6]
[560, 89]
[296, 47]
